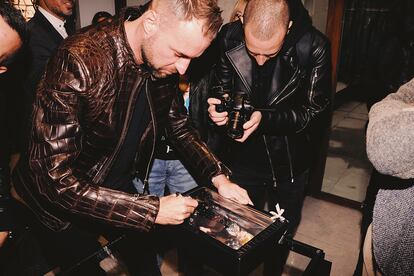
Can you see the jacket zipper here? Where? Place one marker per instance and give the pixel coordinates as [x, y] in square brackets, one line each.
[270, 162]
[286, 87]
[105, 168]
[146, 184]
[312, 91]
[191, 96]
[290, 159]
[314, 76]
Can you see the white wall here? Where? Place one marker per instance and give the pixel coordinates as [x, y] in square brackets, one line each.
[318, 10]
[88, 8]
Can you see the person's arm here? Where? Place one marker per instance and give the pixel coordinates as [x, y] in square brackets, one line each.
[56, 142]
[188, 142]
[390, 133]
[294, 118]
[186, 139]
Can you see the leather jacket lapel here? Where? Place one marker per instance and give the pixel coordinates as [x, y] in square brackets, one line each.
[287, 89]
[242, 64]
[285, 79]
[285, 74]
[275, 85]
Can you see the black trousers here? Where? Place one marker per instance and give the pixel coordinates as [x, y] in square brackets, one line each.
[76, 250]
[22, 253]
[289, 194]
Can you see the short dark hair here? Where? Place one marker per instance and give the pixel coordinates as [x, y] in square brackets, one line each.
[207, 10]
[13, 18]
[98, 15]
[266, 17]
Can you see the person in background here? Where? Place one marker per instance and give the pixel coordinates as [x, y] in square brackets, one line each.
[12, 33]
[101, 16]
[390, 148]
[238, 10]
[391, 66]
[106, 96]
[167, 171]
[50, 25]
[282, 65]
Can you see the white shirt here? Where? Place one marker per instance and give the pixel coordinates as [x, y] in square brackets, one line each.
[57, 23]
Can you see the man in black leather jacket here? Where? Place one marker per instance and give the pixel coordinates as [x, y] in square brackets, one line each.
[283, 64]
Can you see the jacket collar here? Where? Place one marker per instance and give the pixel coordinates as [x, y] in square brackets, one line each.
[242, 63]
[57, 23]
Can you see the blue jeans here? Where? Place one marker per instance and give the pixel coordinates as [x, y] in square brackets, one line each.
[171, 174]
[167, 173]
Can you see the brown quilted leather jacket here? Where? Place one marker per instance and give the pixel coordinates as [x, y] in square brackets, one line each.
[79, 122]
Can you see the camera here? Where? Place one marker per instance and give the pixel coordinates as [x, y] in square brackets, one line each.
[239, 108]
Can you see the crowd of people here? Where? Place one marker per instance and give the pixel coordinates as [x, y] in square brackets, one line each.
[121, 117]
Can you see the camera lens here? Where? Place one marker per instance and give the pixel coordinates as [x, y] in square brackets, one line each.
[235, 125]
[238, 115]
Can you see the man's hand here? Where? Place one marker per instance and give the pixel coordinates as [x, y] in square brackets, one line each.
[3, 237]
[230, 190]
[219, 118]
[174, 209]
[251, 125]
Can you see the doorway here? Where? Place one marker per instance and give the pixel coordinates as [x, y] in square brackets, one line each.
[358, 28]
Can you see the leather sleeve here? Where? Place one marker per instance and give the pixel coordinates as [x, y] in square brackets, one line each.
[186, 139]
[57, 142]
[295, 118]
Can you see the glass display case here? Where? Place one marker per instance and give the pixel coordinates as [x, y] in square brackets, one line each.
[230, 237]
[227, 222]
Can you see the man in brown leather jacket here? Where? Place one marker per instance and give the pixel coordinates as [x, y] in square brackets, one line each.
[105, 96]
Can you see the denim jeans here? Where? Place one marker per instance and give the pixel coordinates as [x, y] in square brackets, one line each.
[173, 175]
[167, 173]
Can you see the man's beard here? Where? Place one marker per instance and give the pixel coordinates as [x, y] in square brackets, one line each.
[148, 64]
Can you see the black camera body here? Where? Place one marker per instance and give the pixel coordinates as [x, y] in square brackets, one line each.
[239, 108]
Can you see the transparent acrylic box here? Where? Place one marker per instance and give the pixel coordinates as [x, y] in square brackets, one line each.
[230, 237]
